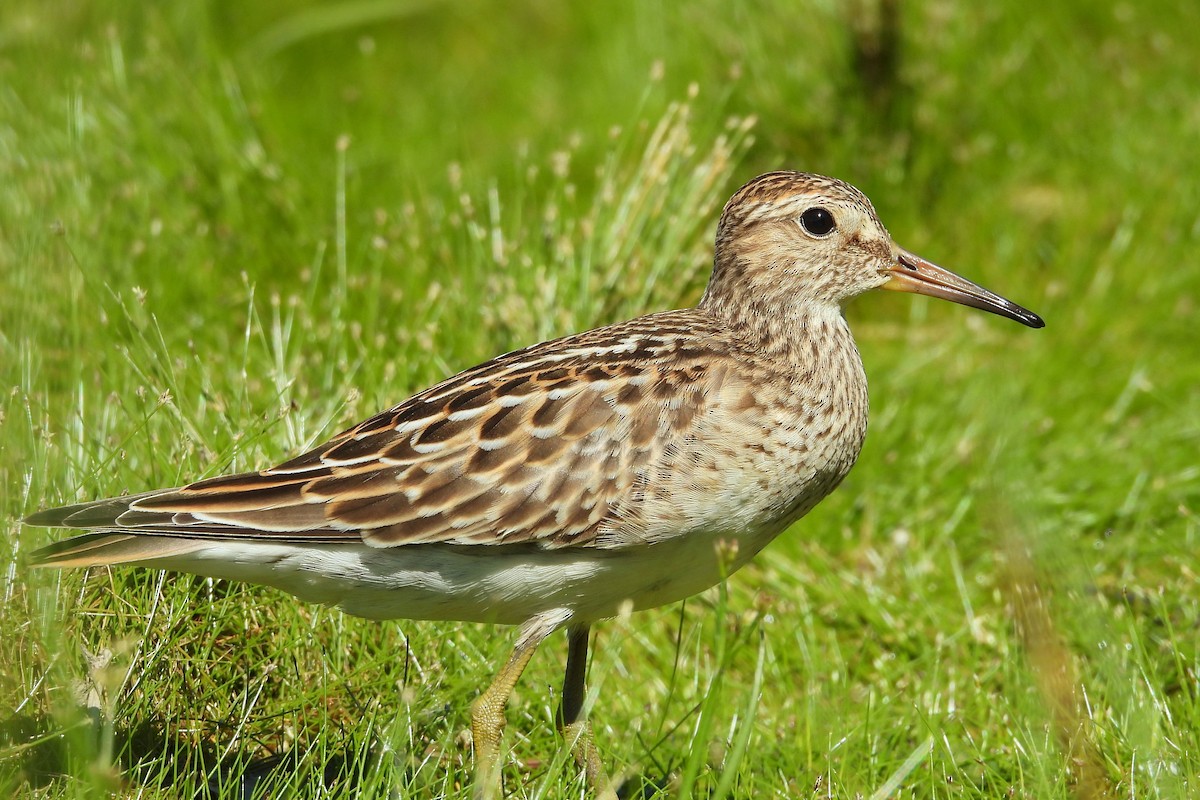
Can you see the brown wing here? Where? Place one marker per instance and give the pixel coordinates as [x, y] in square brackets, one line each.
[551, 444]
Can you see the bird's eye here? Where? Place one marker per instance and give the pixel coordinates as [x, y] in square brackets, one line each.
[817, 221]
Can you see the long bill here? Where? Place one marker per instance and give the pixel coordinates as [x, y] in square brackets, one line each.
[912, 273]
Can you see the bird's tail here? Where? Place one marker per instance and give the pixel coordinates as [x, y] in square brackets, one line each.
[103, 548]
[107, 540]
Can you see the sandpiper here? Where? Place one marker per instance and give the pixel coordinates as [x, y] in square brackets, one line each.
[631, 465]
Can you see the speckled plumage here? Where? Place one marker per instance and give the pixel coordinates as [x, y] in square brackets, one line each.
[639, 462]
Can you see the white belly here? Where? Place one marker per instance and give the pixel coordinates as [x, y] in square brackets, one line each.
[481, 583]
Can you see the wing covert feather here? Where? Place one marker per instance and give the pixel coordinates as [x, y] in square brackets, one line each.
[552, 445]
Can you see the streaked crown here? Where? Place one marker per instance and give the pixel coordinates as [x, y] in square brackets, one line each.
[787, 239]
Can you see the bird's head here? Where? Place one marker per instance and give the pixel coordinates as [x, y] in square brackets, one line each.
[787, 239]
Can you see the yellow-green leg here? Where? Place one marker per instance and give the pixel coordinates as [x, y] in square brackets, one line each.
[487, 713]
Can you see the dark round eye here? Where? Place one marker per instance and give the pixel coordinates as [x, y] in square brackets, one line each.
[817, 221]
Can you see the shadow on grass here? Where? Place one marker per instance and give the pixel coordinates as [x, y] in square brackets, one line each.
[35, 752]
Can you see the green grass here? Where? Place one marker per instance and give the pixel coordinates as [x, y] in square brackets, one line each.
[227, 230]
